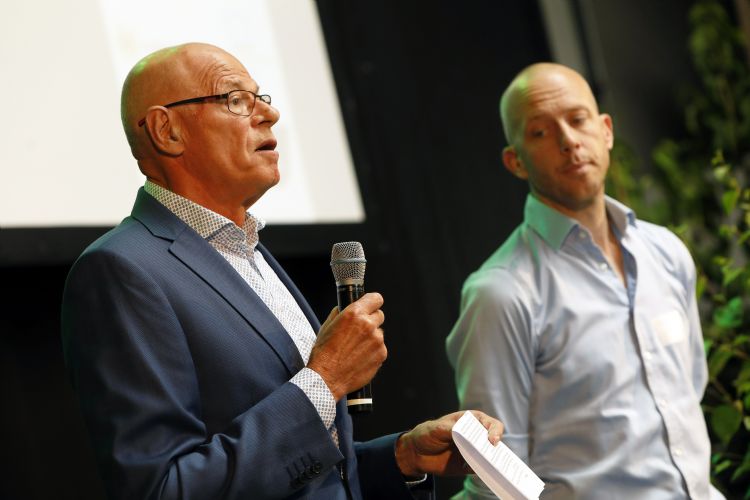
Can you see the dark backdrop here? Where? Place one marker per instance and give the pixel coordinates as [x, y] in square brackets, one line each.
[419, 83]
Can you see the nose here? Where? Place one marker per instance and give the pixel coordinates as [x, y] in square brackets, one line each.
[568, 139]
[264, 114]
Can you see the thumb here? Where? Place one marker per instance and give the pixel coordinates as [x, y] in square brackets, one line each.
[334, 312]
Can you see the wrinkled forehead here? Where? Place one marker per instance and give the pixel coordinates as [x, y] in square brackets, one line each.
[215, 71]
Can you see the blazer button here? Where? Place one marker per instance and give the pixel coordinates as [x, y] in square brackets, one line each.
[317, 467]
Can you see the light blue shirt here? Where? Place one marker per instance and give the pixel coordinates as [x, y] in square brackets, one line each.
[598, 385]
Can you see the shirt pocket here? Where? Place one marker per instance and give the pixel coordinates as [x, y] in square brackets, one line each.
[670, 327]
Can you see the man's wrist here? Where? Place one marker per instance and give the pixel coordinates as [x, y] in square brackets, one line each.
[323, 374]
[406, 459]
[319, 394]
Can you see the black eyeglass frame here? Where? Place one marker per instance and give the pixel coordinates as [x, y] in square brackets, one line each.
[263, 97]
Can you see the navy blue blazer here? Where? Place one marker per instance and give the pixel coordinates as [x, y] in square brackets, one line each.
[182, 374]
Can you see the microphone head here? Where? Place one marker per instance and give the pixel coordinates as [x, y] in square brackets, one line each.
[348, 263]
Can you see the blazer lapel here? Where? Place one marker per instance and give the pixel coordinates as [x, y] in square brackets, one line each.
[206, 262]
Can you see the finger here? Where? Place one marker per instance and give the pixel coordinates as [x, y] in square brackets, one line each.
[380, 335]
[331, 316]
[370, 302]
[334, 312]
[494, 427]
[383, 354]
[377, 317]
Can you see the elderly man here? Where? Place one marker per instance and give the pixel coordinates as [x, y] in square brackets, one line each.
[581, 331]
[195, 357]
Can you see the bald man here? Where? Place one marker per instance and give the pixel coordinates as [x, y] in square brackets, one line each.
[581, 331]
[195, 357]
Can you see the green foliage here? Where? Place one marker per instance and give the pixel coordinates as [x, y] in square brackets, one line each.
[700, 188]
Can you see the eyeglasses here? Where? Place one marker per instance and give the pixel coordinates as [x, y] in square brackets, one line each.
[239, 102]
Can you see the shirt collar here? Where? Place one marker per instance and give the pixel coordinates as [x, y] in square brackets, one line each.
[555, 227]
[207, 223]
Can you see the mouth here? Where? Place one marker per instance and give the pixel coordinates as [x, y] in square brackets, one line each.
[267, 145]
[575, 166]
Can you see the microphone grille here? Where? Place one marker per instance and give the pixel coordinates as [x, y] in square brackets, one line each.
[348, 262]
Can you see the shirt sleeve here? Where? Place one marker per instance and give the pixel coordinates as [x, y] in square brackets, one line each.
[313, 385]
[491, 349]
[688, 275]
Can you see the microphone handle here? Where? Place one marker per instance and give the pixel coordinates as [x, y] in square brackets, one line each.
[359, 401]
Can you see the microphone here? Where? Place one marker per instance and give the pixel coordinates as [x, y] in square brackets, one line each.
[348, 266]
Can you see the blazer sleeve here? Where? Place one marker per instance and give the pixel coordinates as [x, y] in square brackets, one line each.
[132, 368]
[379, 475]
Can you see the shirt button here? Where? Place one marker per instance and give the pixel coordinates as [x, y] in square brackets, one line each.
[581, 234]
[647, 355]
[603, 266]
[677, 452]
[661, 403]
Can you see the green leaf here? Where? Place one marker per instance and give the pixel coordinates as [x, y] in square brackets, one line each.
[725, 420]
[731, 274]
[744, 375]
[718, 160]
[700, 286]
[740, 471]
[744, 236]
[721, 172]
[730, 315]
[729, 200]
[742, 388]
[722, 466]
[718, 360]
[707, 344]
[727, 231]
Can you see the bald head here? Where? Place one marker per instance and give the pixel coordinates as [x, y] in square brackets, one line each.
[538, 81]
[165, 76]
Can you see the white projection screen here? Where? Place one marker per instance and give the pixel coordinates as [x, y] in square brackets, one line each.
[63, 155]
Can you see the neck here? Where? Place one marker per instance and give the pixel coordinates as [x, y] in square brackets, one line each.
[594, 218]
[233, 212]
[597, 222]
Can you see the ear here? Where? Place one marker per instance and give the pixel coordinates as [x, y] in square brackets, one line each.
[609, 134]
[513, 163]
[163, 128]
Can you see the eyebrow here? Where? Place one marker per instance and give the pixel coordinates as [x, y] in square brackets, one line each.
[576, 109]
[543, 116]
[235, 84]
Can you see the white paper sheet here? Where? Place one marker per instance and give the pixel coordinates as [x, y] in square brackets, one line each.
[501, 470]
